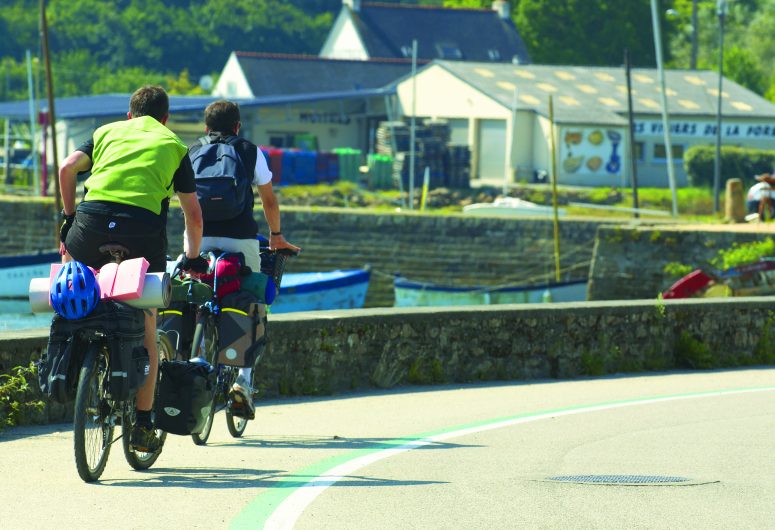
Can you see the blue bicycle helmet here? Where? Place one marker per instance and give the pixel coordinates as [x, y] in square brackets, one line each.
[74, 292]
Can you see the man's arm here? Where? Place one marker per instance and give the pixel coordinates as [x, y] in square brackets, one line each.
[272, 215]
[77, 162]
[192, 214]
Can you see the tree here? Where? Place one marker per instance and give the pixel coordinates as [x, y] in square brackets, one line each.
[581, 32]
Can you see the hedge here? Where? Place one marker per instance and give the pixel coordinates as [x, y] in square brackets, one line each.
[736, 162]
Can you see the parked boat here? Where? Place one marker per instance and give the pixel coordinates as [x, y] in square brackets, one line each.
[414, 294]
[17, 271]
[751, 279]
[511, 206]
[316, 291]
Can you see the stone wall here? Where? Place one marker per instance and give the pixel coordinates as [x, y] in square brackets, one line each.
[628, 261]
[337, 351]
[456, 249]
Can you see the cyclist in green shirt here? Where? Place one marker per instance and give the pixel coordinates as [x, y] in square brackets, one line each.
[136, 166]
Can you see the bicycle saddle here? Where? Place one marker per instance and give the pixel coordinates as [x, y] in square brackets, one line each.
[114, 249]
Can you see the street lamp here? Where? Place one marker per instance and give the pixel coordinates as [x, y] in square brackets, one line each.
[721, 10]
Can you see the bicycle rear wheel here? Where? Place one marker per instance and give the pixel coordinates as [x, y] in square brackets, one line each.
[205, 329]
[138, 459]
[92, 428]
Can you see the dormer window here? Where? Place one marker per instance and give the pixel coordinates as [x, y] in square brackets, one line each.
[494, 54]
[448, 50]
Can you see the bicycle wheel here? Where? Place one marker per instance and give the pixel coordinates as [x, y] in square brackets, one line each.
[92, 428]
[138, 459]
[206, 329]
[236, 424]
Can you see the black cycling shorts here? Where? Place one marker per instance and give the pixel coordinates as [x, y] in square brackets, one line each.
[90, 231]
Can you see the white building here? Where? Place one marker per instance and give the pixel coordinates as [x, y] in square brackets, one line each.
[502, 112]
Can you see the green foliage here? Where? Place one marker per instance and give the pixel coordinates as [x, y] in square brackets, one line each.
[676, 270]
[764, 352]
[592, 364]
[581, 32]
[17, 403]
[693, 353]
[743, 67]
[425, 372]
[162, 41]
[743, 253]
[736, 162]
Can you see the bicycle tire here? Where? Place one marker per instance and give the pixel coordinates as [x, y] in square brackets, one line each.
[236, 424]
[206, 330]
[91, 448]
[137, 459]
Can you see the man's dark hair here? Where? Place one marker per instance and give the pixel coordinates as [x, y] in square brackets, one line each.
[150, 100]
[222, 116]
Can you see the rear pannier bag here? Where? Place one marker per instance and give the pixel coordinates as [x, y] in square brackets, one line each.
[59, 367]
[178, 322]
[185, 396]
[241, 329]
[128, 365]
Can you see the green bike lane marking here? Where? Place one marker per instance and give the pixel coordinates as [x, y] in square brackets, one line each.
[281, 505]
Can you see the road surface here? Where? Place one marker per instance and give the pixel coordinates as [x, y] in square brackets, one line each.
[670, 450]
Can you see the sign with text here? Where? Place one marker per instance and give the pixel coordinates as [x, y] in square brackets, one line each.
[706, 129]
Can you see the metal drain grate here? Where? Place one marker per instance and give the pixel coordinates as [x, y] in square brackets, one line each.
[625, 480]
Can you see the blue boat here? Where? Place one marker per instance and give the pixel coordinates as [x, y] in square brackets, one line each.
[316, 291]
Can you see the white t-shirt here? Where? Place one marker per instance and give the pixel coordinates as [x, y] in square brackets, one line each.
[262, 175]
[757, 191]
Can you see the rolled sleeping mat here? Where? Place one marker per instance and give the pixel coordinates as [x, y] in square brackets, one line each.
[157, 292]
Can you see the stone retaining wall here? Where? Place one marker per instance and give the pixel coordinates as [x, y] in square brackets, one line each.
[455, 249]
[338, 351]
[628, 261]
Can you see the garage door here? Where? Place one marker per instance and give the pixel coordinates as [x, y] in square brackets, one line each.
[492, 149]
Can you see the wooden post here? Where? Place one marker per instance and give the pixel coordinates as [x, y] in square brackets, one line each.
[553, 151]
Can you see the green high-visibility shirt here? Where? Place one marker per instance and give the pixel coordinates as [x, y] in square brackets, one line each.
[134, 162]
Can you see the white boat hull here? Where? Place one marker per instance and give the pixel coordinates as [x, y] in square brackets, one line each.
[412, 294]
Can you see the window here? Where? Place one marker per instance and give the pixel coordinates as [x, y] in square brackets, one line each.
[495, 55]
[639, 151]
[448, 50]
[660, 152]
[231, 88]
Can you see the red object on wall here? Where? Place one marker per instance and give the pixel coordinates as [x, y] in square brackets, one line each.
[688, 286]
[276, 165]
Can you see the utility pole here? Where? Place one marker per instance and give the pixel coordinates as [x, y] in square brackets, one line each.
[721, 6]
[695, 34]
[51, 114]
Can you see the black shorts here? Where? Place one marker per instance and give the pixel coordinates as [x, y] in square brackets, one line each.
[90, 231]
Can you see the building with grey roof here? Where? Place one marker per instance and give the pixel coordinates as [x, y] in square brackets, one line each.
[502, 111]
[365, 30]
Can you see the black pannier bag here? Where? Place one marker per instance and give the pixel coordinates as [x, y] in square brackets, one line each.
[128, 364]
[59, 367]
[241, 329]
[185, 396]
[178, 322]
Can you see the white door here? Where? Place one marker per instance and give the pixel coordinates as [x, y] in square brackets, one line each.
[492, 149]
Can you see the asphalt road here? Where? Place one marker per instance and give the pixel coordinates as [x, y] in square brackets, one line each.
[677, 450]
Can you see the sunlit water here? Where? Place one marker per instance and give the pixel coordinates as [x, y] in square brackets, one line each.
[16, 314]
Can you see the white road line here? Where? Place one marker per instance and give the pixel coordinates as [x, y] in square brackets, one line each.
[289, 511]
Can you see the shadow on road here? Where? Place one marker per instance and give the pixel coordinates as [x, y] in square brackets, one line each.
[330, 442]
[236, 478]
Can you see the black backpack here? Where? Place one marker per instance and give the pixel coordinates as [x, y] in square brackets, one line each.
[222, 182]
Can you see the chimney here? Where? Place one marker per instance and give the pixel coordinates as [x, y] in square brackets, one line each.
[503, 8]
[355, 5]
